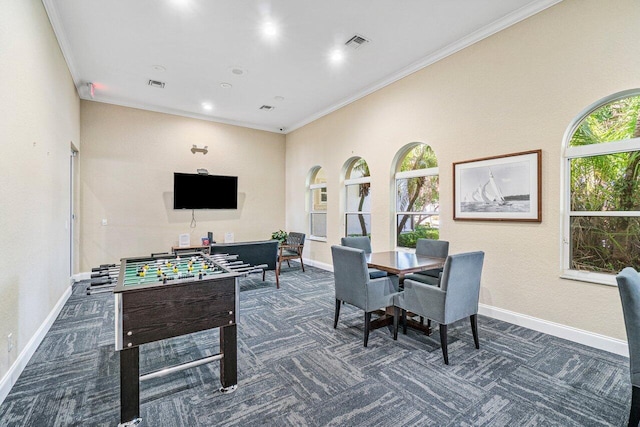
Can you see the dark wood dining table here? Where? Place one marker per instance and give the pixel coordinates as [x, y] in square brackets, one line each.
[401, 263]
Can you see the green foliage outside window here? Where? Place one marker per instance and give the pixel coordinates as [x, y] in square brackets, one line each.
[606, 183]
[417, 194]
[409, 239]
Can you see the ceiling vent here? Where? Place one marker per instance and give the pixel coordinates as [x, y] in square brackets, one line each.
[356, 41]
[156, 83]
[267, 107]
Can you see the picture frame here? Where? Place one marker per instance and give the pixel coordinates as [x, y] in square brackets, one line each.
[499, 188]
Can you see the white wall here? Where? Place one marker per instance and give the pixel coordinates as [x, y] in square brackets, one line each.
[39, 120]
[517, 90]
[128, 158]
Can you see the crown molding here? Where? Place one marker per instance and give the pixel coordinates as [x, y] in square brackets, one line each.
[481, 34]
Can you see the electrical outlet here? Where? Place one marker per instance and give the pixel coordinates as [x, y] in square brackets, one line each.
[10, 343]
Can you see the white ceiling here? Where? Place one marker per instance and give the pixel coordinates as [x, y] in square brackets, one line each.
[119, 45]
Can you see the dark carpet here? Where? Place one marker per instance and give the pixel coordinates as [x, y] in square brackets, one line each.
[294, 369]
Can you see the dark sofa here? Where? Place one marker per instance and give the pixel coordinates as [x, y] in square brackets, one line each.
[254, 253]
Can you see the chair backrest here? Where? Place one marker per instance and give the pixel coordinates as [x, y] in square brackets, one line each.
[461, 282]
[350, 274]
[434, 248]
[629, 288]
[295, 239]
[358, 242]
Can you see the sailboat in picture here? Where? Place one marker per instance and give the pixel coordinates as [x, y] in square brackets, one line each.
[495, 197]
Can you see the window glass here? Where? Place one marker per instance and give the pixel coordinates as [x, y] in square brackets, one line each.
[317, 192]
[417, 197]
[358, 199]
[602, 226]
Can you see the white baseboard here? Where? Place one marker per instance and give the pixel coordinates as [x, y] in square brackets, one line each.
[579, 336]
[86, 275]
[23, 358]
[591, 339]
[318, 264]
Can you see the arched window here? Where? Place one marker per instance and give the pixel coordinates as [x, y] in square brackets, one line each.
[417, 195]
[357, 186]
[317, 191]
[601, 230]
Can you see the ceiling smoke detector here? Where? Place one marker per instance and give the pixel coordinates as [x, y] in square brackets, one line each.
[356, 41]
[156, 83]
[267, 107]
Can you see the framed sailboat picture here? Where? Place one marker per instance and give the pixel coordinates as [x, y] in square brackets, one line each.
[500, 188]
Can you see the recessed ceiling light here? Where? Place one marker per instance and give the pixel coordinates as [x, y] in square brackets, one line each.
[269, 29]
[267, 107]
[336, 56]
[279, 98]
[159, 68]
[207, 106]
[225, 85]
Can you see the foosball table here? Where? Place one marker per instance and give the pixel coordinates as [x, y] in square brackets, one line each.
[166, 296]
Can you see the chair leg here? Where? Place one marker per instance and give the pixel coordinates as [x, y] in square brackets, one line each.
[396, 314]
[404, 322]
[474, 329]
[443, 343]
[302, 263]
[288, 265]
[634, 414]
[263, 273]
[335, 319]
[367, 320]
[278, 277]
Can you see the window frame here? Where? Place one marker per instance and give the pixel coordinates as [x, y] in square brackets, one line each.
[435, 171]
[312, 205]
[570, 153]
[352, 182]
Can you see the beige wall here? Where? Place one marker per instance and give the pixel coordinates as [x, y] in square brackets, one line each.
[128, 158]
[39, 120]
[517, 90]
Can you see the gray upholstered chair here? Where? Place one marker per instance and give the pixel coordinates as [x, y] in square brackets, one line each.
[455, 298]
[434, 248]
[291, 249]
[629, 288]
[354, 286]
[364, 243]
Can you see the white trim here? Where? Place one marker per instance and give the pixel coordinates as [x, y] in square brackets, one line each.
[354, 181]
[25, 355]
[417, 172]
[85, 275]
[318, 264]
[317, 238]
[590, 277]
[579, 336]
[604, 147]
[317, 186]
[605, 213]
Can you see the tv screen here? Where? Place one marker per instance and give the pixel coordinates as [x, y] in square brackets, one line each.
[194, 191]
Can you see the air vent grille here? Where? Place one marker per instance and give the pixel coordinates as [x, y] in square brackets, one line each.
[267, 107]
[356, 41]
[156, 83]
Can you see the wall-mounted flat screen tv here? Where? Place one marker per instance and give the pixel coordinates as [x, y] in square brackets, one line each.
[195, 191]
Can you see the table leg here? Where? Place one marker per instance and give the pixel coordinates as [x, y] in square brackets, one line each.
[129, 384]
[229, 361]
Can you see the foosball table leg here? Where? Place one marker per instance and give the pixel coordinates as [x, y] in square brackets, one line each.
[229, 361]
[130, 386]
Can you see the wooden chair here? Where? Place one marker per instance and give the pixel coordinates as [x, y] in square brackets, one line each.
[291, 249]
